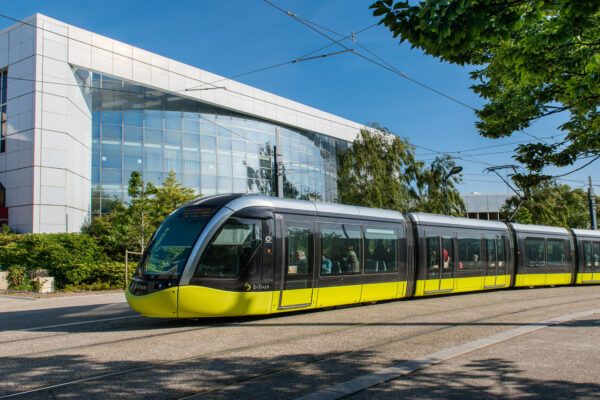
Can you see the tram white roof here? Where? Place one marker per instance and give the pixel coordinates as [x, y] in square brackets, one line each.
[539, 229]
[434, 219]
[313, 207]
[586, 232]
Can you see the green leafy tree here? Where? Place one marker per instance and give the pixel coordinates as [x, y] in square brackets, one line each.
[167, 198]
[551, 204]
[432, 188]
[378, 171]
[138, 210]
[112, 232]
[536, 58]
[130, 225]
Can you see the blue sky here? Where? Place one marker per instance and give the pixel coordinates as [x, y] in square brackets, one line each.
[236, 36]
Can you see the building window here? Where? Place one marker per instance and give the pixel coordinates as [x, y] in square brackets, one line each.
[212, 150]
[3, 124]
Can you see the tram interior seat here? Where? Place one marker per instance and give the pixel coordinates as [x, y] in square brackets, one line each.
[375, 265]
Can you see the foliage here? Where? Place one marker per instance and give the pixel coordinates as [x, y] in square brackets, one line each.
[137, 213]
[73, 259]
[18, 279]
[111, 232]
[432, 189]
[379, 170]
[537, 58]
[551, 204]
[167, 198]
[130, 225]
[5, 229]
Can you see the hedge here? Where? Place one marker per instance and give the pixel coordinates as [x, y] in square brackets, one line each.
[73, 259]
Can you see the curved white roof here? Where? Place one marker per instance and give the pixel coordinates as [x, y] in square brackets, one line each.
[434, 219]
[313, 207]
[586, 233]
[539, 229]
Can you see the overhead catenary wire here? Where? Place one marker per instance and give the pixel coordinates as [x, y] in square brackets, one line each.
[388, 67]
[295, 60]
[320, 117]
[308, 23]
[232, 91]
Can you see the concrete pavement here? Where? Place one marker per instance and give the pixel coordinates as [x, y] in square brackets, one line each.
[97, 348]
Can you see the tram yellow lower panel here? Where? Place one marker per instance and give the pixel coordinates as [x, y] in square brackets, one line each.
[542, 279]
[469, 284]
[558, 279]
[338, 295]
[379, 291]
[161, 304]
[199, 301]
[456, 285]
[296, 297]
[588, 278]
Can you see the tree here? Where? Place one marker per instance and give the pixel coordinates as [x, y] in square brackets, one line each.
[432, 190]
[536, 58]
[551, 204]
[379, 170]
[138, 209]
[130, 225]
[167, 198]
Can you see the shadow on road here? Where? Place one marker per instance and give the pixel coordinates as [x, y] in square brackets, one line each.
[263, 377]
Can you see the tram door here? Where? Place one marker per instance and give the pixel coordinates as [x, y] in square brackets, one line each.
[440, 264]
[495, 272]
[298, 262]
[491, 266]
[596, 263]
[591, 261]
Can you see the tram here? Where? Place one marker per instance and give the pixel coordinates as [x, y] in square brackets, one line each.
[236, 255]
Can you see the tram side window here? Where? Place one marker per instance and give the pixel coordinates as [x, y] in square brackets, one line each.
[298, 247]
[534, 253]
[597, 255]
[381, 250]
[501, 254]
[587, 254]
[491, 252]
[447, 254]
[469, 253]
[341, 248]
[433, 254]
[557, 252]
[230, 250]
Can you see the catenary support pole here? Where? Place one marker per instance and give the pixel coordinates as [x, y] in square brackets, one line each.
[592, 203]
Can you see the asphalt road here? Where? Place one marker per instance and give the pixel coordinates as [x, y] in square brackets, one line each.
[501, 344]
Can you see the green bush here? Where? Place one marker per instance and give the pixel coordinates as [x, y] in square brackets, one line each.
[18, 279]
[73, 259]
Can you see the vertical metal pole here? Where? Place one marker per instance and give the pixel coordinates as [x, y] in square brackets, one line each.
[592, 204]
[126, 274]
[278, 165]
[446, 196]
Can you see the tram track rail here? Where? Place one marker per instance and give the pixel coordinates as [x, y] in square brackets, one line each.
[209, 355]
[229, 322]
[362, 349]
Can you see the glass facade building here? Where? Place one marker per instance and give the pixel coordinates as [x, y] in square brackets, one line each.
[79, 112]
[210, 149]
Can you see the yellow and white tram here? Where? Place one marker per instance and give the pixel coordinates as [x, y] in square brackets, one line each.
[234, 255]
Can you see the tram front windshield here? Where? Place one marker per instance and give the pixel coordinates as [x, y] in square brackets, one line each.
[170, 247]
